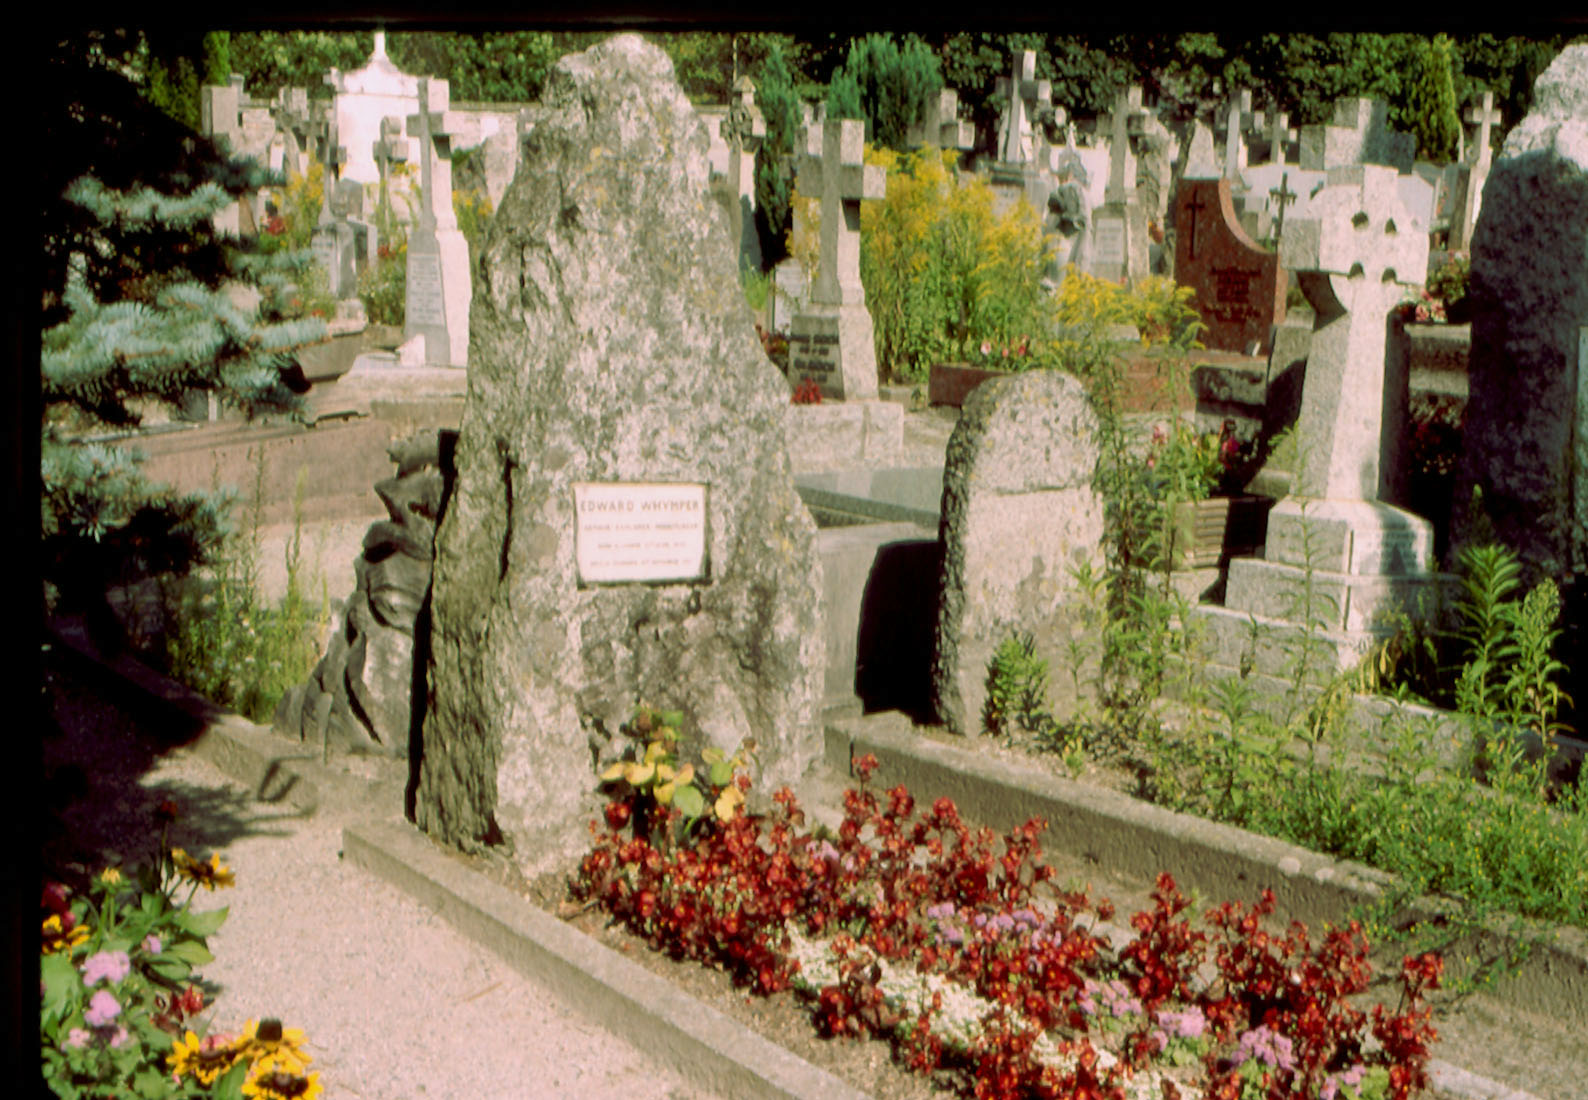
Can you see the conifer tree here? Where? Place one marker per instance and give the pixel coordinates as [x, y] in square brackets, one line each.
[1431, 104]
[143, 300]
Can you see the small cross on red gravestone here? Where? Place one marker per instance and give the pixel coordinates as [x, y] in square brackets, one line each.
[1237, 285]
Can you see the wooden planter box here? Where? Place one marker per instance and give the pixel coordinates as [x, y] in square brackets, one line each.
[1207, 533]
[950, 383]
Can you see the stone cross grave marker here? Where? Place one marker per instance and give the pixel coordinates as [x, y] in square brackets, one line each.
[943, 128]
[1238, 286]
[1339, 556]
[391, 149]
[291, 112]
[743, 128]
[1119, 227]
[1282, 197]
[437, 304]
[1280, 134]
[1355, 255]
[1027, 96]
[1471, 175]
[832, 343]
[1238, 117]
[332, 241]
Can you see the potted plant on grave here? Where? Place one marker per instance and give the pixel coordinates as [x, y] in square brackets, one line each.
[1199, 477]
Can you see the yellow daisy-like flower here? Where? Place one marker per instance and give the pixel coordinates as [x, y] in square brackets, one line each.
[269, 1046]
[59, 938]
[110, 876]
[204, 1059]
[207, 873]
[277, 1084]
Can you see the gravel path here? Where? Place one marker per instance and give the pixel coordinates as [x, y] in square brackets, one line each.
[395, 1004]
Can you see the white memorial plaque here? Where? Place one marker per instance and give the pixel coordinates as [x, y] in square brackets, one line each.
[627, 532]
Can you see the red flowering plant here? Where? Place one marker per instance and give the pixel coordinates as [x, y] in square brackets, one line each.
[954, 944]
[807, 392]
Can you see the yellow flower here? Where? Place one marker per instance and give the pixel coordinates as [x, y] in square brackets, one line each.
[269, 1046]
[275, 1084]
[205, 1059]
[110, 876]
[208, 874]
[59, 938]
[728, 802]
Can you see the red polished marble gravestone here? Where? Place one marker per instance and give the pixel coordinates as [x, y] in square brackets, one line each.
[1239, 286]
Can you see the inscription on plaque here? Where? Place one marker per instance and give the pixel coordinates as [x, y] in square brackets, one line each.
[1111, 241]
[636, 532]
[424, 306]
[813, 353]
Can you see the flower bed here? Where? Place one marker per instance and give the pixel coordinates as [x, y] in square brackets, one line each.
[953, 944]
[120, 1011]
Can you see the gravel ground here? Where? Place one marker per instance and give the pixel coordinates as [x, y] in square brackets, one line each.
[395, 1004]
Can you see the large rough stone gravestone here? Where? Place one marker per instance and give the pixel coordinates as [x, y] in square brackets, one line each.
[624, 525]
[1529, 297]
[1239, 286]
[1019, 513]
[1339, 541]
[439, 284]
[832, 342]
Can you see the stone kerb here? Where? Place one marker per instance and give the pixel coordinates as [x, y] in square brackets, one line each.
[1019, 513]
[615, 364]
[1239, 285]
[1529, 299]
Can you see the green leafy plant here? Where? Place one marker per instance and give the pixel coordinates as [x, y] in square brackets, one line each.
[383, 286]
[227, 643]
[645, 790]
[1017, 687]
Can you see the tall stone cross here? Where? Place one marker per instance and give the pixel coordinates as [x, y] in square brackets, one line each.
[390, 149]
[1280, 134]
[291, 112]
[743, 128]
[1026, 95]
[943, 128]
[1355, 255]
[832, 342]
[1283, 196]
[1121, 164]
[437, 303]
[332, 155]
[844, 180]
[1483, 117]
[1237, 117]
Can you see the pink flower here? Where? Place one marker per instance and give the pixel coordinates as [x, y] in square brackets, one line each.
[102, 1008]
[77, 1038]
[108, 965]
[986, 347]
[152, 944]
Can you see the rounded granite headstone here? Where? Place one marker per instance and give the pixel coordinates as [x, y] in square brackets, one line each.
[1019, 515]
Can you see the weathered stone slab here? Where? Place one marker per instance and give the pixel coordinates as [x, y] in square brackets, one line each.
[1349, 536]
[1333, 601]
[859, 433]
[1019, 513]
[611, 344]
[1529, 299]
